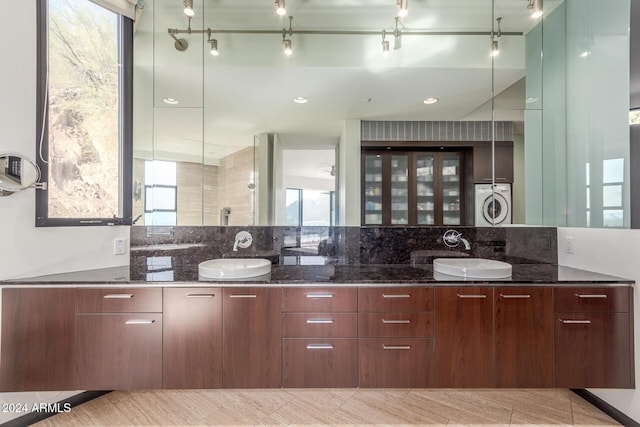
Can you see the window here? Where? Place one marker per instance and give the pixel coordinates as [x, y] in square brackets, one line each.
[84, 114]
[161, 193]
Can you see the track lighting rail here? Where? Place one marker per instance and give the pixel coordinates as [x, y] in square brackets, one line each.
[173, 31]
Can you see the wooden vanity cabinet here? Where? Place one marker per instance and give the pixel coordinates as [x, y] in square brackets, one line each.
[593, 338]
[319, 337]
[464, 337]
[523, 325]
[251, 338]
[192, 338]
[119, 339]
[38, 339]
[395, 337]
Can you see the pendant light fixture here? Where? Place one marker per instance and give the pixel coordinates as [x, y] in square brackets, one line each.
[536, 8]
[280, 8]
[188, 8]
[385, 44]
[495, 49]
[288, 50]
[403, 7]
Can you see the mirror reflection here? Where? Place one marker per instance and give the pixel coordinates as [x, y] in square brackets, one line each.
[219, 98]
[17, 172]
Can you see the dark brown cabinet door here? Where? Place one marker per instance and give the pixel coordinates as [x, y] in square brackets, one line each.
[38, 340]
[192, 338]
[524, 337]
[482, 162]
[320, 362]
[251, 340]
[119, 351]
[464, 335]
[593, 350]
[396, 362]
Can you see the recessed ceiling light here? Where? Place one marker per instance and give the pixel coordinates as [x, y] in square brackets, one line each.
[171, 101]
[430, 101]
[585, 53]
[300, 100]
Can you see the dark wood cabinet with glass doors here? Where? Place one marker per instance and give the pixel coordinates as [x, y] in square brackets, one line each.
[412, 188]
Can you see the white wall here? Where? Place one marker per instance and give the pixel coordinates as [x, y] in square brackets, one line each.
[26, 250]
[609, 251]
[349, 174]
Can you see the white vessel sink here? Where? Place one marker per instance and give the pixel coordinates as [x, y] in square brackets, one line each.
[234, 268]
[472, 268]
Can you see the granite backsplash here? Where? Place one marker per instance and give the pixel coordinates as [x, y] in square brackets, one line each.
[155, 247]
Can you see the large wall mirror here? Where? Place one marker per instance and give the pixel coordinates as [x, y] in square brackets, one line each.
[230, 130]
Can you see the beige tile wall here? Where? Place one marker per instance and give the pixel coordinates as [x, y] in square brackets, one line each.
[235, 174]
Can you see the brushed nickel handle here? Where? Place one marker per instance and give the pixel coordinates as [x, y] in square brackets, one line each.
[513, 296]
[396, 295]
[319, 321]
[319, 346]
[200, 295]
[394, 322]
[471, 296]
[396, 347]
[243, 296]
[576, 322]
[139, 322]
[118, 296]
[325, 295]
[591, 295]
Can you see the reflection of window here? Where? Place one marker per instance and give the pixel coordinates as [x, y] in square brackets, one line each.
[634, 117]
[84, 116]
[612, 183]
[612, 193]
[160, 193]
[309, 207]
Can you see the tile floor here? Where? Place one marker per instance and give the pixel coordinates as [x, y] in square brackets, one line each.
[334, 407]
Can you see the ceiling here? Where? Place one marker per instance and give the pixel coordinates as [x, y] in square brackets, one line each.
[249, 88]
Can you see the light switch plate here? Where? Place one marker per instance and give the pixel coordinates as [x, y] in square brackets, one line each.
[569, 245]
[120, 246]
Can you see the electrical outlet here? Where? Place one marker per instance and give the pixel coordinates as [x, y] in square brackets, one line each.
[569, 245]
[120, 246]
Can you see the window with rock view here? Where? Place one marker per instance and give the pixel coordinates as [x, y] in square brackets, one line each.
[83, 136]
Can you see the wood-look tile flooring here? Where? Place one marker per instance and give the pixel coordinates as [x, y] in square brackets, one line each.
[334, 407]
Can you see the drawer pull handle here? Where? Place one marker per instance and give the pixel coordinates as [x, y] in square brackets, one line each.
[396, 347]
[139, 322]
[575, 322]
[319, 346]
[591, 295]
[243, 296]
[505, 296]
[319, 295]
[396, 295]
[118, 296]
[471, 296]
[319, 321]
[200, 295]
[395, 322]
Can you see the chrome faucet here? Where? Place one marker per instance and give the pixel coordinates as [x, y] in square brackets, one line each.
[452, 239]
[243, 240]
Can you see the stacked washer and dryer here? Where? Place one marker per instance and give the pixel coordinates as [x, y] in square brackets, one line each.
[492, 206]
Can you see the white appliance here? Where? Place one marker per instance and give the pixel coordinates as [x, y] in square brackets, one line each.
[488, 206]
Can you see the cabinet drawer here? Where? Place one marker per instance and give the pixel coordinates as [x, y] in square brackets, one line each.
[319, 299]
[320, 362]
[319, 325]
[119, 300]
[395, 299]
[592, 299]
[396, 362]
[395, 324]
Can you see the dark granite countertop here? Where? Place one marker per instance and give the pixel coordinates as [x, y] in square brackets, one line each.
[295, 275]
